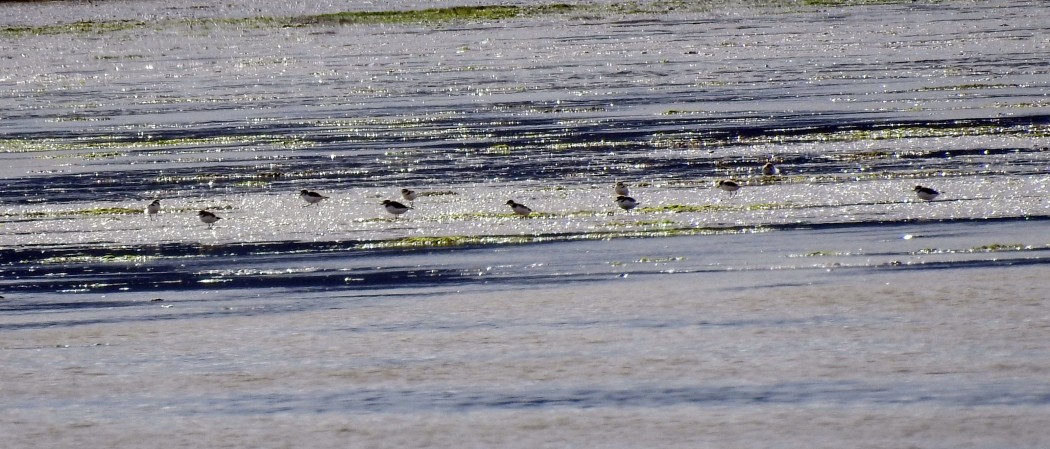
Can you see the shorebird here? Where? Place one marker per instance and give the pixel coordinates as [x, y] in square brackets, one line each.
[769, 169]
[519, 208]
[729, 186]
[153, 209]
[621, 189]
[395, 208]
[626, 202]
[926, 193]
[409, 195]
[208, 217]
[311, 198]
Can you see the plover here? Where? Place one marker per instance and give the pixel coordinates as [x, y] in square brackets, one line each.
[926, 193]
[770, 170]
[395, 208]
[311, 198]
[621, 189]
[519, 208]
[153, 209]
[729, 186]
[409, 195]
[626, 202]
[208, 217]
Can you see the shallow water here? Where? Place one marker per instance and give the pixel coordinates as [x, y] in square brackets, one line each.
[822, 306]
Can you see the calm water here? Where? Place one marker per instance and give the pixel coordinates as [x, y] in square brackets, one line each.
[856, 105]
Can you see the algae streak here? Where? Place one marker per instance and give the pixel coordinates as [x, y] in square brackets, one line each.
[433, 15]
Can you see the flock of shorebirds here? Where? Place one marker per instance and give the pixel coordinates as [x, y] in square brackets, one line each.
[623, 200]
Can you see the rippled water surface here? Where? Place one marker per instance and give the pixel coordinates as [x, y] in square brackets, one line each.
[654, 316]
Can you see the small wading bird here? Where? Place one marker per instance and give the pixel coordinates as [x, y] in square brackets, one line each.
[153, 209]
[519, 208]
[926, 193]
[621, 189]
[409, 195]
[770, 170]
[729, 186]
[626, 202]
[311, 198]
[395, 208]
[208, 217]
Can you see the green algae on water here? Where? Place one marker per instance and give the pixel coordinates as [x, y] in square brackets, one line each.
[432, 15]
[98, 211]
[689, 208]
[518, 239]
[108, 258]
[81, 27]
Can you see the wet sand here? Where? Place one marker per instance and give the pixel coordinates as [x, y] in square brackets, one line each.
[929, 358]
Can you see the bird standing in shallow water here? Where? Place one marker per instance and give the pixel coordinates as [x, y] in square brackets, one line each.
[395, 208]
[153, 209]
[311, 198]
[626, 202]
[770, 170]
[208, 217]
[926, 193]
[728, 186]
[621, 189]
[409, 195]
[519, 208]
